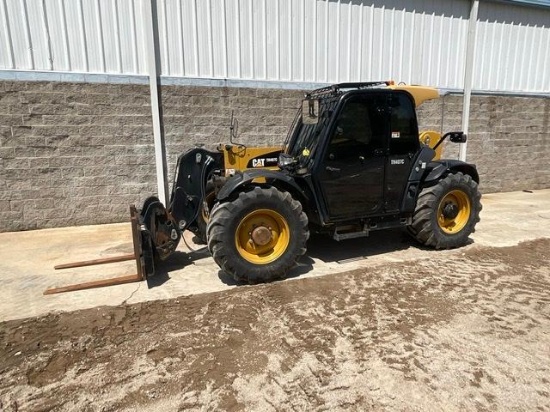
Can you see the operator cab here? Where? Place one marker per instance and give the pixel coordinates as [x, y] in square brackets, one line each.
[360, 151]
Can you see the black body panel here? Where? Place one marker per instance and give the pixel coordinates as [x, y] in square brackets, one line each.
[193, 171]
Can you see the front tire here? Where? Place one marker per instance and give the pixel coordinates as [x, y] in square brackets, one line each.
[204, 214]
[258, 236]
[446, 213]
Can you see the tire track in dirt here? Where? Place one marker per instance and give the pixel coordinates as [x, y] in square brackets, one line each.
[465, 333]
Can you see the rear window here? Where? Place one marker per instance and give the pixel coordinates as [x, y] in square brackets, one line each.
[404, 128]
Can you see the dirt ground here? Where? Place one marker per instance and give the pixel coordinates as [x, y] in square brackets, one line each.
[468, 333]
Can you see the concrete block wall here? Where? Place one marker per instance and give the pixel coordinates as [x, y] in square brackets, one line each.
[508, 140]
[73, 154]
[202, 115]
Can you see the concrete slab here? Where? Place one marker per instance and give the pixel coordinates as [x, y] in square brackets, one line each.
[27, 258]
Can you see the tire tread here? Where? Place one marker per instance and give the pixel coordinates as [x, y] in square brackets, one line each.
[227, 258]
[424, 227]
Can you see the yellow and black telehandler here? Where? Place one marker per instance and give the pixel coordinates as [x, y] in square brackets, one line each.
[353, 162]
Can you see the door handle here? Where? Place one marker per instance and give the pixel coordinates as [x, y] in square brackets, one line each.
[332, 169]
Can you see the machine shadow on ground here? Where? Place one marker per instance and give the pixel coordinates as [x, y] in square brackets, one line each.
[329, 250]
[377, 243]
[178, 260]
[319, 247]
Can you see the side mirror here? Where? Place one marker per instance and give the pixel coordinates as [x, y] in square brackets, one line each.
[458, 137]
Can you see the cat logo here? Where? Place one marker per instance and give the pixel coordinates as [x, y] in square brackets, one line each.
[397, 161]
[258, 162]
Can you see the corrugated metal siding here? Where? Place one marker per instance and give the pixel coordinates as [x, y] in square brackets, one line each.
[512, 48]
[85, 36]
[318, 41]
[314, 41]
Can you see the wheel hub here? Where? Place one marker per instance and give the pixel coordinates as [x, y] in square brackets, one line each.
[454, 211]
[261, 235]
[450, 211]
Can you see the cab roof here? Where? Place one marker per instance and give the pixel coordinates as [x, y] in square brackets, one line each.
[419, 93]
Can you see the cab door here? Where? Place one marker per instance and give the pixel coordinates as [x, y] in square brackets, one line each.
[403, 149]
[351, 176]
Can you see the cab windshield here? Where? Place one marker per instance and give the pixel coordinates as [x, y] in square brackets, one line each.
[303, 138]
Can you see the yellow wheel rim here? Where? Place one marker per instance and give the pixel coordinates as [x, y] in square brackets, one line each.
[454, 211]
[262, 236]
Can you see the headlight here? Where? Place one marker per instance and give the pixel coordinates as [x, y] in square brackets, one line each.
[285, 160]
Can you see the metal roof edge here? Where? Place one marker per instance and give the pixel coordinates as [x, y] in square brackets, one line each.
[46, 76]
[504, 93]
[525, 3]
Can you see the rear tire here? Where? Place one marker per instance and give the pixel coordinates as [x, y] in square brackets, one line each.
[446, 213]
[258, 236]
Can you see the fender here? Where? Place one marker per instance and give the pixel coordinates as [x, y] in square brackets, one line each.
[443, 167]
[426, 173]
[245, 178]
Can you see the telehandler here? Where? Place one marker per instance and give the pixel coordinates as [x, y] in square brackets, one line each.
[352, 163]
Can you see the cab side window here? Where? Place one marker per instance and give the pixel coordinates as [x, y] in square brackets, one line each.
[404, 129]
[359, 130]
